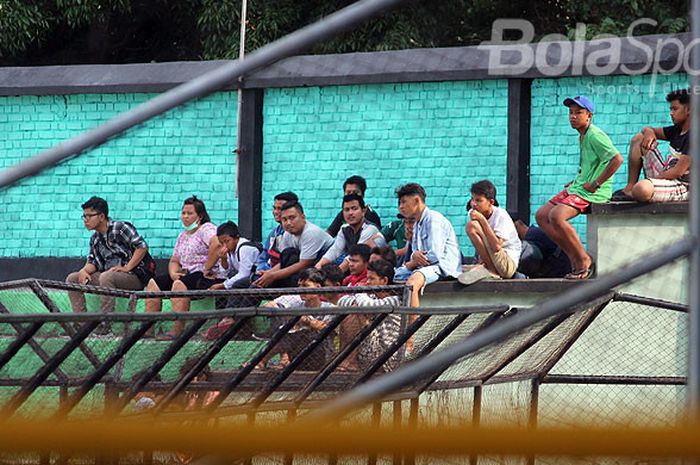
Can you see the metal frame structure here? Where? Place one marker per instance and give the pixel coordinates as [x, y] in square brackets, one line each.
[258, 387]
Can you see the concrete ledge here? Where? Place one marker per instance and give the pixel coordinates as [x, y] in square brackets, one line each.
[415, 65]
[502, 286]
[615, 208]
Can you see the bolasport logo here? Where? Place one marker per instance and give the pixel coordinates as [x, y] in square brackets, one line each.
[555, 54]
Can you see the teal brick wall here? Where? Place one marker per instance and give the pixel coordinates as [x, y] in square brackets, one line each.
[144, 175]
[624, 104]
[443, 135]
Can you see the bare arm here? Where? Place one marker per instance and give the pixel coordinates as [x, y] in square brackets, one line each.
[136, 258]
[212, 256]
[678, 169]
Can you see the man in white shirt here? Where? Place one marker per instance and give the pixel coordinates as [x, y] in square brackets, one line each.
[238, 256]
[492, 232]
[355, 231]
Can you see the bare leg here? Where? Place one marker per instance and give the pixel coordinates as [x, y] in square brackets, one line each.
[643, 191]
[153, 305]
[349, 328]
[566, 236]
[634, 163]
[558, 228]
[180, 305]
[478, 237]
[417, 280]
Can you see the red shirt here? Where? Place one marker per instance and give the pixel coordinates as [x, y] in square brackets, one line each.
[356, 279]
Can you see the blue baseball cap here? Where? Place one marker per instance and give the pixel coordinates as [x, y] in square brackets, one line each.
[582, 101]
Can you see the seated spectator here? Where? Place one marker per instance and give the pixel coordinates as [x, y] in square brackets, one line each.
[399, 231]
[492, 233]
[302, 245]
[270, 256]
[598, 163]
[354, 185]
[334, 278]
[666, 180]
[238, 256]
[358, 257]
[540, 256]
[355, 231]
[383, 253]
[193, 265]
[379, 273]
[118, 256]
[436, 254]
[306, 330]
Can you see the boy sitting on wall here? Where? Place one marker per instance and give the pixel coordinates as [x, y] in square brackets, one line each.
[666, 180]
[599, 161]
[493, 235]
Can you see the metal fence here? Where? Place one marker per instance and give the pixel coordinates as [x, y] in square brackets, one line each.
[266, 367]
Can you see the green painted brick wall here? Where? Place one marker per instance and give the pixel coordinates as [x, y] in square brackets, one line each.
[443, 135]
[144, 175]
[624, 105]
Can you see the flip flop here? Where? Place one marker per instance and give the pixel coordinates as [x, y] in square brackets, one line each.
[587, 273]
[620, 196]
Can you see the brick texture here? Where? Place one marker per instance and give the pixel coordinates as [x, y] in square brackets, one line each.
[624, 105]
[443, 135]
[144, 175]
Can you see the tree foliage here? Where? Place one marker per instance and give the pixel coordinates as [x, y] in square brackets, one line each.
[120, 31]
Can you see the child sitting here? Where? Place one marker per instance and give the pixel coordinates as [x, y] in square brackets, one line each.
[493, 235]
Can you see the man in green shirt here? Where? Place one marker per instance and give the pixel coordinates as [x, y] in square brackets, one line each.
[599, 161]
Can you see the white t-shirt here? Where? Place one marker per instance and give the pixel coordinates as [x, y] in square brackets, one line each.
[312, 242]
[503, 227]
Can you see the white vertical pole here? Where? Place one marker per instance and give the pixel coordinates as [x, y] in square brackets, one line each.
[241, 55]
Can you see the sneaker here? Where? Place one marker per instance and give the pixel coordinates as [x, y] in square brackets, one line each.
[474, 274]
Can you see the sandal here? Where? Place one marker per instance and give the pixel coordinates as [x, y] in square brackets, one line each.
[620, 196]
[587, 273]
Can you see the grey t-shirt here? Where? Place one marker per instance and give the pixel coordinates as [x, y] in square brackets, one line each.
[312, 242]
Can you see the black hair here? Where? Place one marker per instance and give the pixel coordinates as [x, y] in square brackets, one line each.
[293, 204]
[313, 275]
[362, 250]
[682, 95]
[359, 181]
[411, 188]
[386, 252]
[485, 188]
[383, 268]
[287, 196]
[229, 228]
[199, 208]
[98, 204]
[333, 273]
[352, 197]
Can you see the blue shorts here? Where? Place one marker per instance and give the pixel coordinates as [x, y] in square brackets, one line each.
[431, 274]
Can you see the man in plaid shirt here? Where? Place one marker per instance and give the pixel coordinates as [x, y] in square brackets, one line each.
[118, 256]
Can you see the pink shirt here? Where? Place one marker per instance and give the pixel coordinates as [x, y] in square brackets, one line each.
[192, 249]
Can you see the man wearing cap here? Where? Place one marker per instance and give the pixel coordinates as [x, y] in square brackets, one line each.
[598, 162]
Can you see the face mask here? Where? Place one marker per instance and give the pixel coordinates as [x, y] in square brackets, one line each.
[191, 227]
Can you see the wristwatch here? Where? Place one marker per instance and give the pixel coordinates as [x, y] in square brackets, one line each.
[596, 184]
